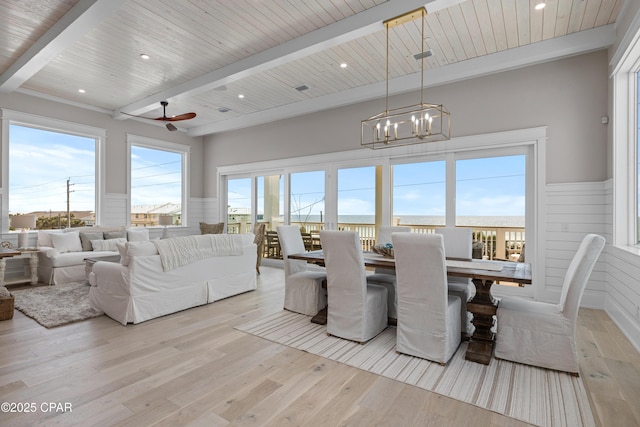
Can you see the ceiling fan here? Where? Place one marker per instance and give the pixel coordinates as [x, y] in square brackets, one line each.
[168, 120]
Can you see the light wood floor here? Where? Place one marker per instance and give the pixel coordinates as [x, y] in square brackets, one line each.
[194, 368]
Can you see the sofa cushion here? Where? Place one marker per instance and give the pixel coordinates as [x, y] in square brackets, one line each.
[137, 234]
[211, 228]
[120, 234]
[67, 242]
[107, 244]
[87, 236]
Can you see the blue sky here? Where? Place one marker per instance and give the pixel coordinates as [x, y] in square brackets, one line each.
[42, 161]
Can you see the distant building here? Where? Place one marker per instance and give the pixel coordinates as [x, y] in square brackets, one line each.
[147, 215]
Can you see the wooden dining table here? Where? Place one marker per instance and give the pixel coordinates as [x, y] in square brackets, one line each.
[483, 274]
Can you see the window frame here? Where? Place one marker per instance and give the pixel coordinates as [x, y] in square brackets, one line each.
[11, 117]
[157, 144]
[625, 63]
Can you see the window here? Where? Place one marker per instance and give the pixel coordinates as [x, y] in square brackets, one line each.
[626, 143]
[51, 168]
[238, 205]
[419, 193]
[357, 202]
[157, 185]
[490, 198]
[306, 201]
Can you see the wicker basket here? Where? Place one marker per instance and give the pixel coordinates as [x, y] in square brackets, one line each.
[6, 307]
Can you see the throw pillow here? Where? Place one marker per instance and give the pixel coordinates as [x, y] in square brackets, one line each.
[67, 242]
[107, 244]
[122, 234]
[137, 235]
[44, 237]
[211, 228]
[86, 238]
[122, 250]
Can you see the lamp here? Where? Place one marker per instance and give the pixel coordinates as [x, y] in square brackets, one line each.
[414, 124]
[24, 223]
[165, 220]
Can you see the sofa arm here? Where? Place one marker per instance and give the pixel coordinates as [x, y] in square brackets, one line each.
[48, 251]
[110, 277]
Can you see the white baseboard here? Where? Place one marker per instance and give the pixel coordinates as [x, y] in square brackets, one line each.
[628, 326]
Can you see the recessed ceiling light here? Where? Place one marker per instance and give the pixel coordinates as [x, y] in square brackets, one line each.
[144, 56]
[240, 96]
[343, 65]
[540, 5]
[82, 91]
[224, 109]
[301, 88]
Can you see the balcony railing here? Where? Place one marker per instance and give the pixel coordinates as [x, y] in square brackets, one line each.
[497, 242]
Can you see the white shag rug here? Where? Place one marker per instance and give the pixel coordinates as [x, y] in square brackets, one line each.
[58, 305]
[538, 396]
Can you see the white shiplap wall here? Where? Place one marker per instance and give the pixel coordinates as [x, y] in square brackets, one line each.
[623, 284]
[574, 210]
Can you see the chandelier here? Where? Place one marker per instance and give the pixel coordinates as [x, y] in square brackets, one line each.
[414, 124]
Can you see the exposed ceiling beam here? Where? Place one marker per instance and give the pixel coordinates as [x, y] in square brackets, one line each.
[345, 30]
[548, 50]
[78, 21]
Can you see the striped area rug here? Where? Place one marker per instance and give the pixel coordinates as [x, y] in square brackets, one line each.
[537, 396]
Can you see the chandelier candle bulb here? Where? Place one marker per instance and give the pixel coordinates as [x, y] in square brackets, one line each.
[395, 130]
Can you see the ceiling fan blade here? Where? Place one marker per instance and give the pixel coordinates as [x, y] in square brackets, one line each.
[185, 116]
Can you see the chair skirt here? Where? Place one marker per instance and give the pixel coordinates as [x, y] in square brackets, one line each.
[416, 339]
[304, 294]
[362, 324]
[535, 333]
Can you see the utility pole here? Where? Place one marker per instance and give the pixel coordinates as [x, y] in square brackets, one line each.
[68, 206]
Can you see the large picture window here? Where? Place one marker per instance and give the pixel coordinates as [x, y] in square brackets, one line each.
[51, 168]
[157, 185]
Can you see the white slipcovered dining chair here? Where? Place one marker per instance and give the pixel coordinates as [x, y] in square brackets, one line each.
[356, 311]
[385, 276]
[303, 291]
[428, 317]
[458, 243]
[543, 334]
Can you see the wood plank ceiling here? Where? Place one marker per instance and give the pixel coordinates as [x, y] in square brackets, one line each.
[205, 53]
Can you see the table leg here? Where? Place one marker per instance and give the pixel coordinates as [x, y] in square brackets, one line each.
[483, 307]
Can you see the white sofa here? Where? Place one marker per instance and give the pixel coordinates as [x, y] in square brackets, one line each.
[61, 253]
[141, 288]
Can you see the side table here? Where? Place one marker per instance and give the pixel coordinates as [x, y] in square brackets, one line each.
[30, 276]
